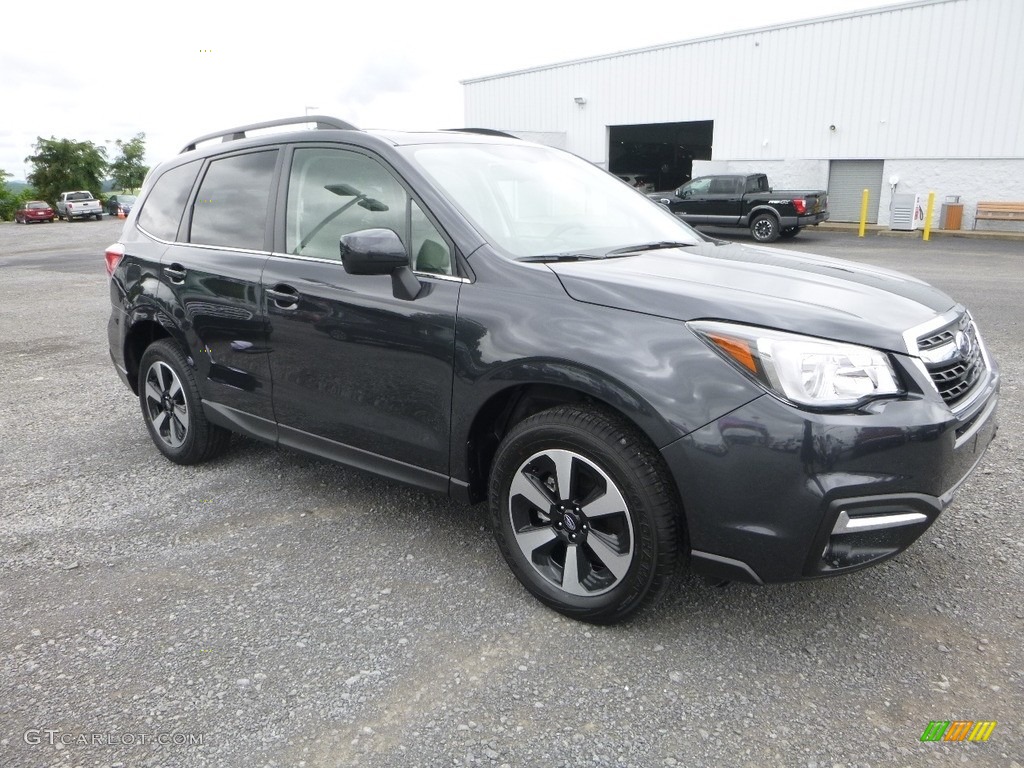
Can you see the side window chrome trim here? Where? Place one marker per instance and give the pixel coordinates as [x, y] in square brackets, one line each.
[204, 246]
[432, 275]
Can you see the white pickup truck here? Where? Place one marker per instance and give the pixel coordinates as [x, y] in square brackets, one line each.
[78, 205]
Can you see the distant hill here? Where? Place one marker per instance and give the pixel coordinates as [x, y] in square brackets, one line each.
[16, 186]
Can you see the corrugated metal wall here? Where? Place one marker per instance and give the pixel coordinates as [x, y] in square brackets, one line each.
[941, 78]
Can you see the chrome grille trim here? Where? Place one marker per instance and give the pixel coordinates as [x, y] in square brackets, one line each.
[951, 352]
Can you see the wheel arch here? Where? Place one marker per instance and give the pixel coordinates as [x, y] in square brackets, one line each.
[144, 330]
[508, 406]
[764, 208]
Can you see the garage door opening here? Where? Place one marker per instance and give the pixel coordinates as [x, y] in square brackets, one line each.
[658, 154]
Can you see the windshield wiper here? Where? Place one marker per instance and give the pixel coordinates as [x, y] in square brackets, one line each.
[649, 247]
[563, 257]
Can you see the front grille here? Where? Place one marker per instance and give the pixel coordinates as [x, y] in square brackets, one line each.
[936, 340]
[956, 376]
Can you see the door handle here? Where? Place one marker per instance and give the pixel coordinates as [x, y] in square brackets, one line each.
[175, 272]
[284, 296]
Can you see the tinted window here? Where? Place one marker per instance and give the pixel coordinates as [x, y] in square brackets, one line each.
[332, 192]
[696, 187]
[161, 213]
[429, 251]
[231, 206]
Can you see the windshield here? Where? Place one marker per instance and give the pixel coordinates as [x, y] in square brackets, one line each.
[531, 201]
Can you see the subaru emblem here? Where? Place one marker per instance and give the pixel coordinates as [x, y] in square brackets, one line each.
[964, 344]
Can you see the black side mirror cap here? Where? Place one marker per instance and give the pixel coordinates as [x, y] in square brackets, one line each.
[380, 252]
[372, 252]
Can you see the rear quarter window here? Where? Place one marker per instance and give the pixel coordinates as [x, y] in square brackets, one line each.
[162, 210]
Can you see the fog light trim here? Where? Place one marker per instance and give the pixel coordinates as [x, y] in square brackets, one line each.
[847, 524]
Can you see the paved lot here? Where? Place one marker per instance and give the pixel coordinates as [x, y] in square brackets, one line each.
[287, 612]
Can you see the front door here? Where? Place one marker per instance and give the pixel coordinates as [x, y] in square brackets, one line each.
[360, 375]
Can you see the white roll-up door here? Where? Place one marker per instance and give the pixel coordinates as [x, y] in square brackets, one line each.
[847, 180]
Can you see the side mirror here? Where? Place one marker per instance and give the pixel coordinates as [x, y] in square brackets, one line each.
[380, 252]
[372, 252]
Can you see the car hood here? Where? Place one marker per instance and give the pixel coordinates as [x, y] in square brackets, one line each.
[789, 291]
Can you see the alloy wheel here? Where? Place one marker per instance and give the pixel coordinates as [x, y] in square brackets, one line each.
[165, 404]
[571, 522]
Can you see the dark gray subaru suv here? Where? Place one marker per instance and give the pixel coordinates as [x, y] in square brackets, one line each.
[502, 321]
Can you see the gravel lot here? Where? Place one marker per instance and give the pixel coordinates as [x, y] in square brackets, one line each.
[273, 610]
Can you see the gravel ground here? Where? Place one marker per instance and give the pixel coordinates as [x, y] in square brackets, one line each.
[269, 609]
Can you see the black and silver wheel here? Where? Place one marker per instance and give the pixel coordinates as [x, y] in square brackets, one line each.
[171, 407]
[788, 232]
[584, 513]
[765, 228]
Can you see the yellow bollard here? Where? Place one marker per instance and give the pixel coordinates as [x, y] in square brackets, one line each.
[863, 212]
[928, 216]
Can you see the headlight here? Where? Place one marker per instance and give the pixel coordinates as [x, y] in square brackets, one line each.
[803, 369]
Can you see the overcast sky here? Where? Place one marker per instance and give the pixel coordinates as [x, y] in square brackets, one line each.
[178, 69]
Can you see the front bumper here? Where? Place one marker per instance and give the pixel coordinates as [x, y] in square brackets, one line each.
[774, 493]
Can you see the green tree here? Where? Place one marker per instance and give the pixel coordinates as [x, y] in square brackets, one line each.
[8, 200]
[62, 165]
[127, 170]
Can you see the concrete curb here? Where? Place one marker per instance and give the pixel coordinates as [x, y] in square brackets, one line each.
[917, 234]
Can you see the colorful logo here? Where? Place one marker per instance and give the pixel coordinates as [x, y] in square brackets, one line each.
[958, 730]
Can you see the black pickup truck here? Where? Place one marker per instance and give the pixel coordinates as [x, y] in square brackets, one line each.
[746, 201]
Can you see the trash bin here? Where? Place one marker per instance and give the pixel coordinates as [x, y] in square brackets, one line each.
[951, 215]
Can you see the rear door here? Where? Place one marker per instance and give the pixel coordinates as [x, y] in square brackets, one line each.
[211, 278]
[360, 375]
[724, 200]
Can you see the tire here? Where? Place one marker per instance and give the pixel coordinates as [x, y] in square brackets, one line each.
[789, 232]
[625, 535]
[765, 228]
[99, 216]
[171, 407]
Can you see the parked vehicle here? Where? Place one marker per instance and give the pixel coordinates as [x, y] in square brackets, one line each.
[120, 204]
[34, 210]
[746, 201]
[78, 205]
[502, 321]
[637, 181]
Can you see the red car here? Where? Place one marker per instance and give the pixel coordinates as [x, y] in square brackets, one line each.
[34, 210]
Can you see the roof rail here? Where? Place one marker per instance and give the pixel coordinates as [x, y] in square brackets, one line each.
[323, 122]
[484, 132]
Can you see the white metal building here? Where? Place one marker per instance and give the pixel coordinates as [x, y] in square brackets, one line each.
[929, 94]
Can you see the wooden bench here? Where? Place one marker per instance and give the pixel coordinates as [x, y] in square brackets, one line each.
[992, 211]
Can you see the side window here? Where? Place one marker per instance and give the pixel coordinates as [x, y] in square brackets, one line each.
[231, 205]
[696, 187]
[429, 251]
[332, 192]
[725, 185]
[162, 210]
